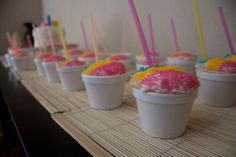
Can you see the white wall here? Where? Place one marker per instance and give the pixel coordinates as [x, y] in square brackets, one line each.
[111, 14]
[13, 13]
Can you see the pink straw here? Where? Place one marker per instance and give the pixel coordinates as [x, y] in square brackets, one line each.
[140, 32]
[29, 41]
[84, 35]
[228, 37]
[10, 40]
[174, 34]
[151, 33]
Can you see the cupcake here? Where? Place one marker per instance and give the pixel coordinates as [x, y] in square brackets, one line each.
[49, 65]
[104, 82]
[183, 60]
[70, 74]
[164, 97]
[218, 82]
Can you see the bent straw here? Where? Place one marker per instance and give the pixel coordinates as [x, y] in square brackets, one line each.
[226, 30]
[84, 35]
[174, 34]
[140, 32]
[199, 28]
[93, 34]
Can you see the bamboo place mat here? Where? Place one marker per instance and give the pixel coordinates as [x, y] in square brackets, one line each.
[210, 131]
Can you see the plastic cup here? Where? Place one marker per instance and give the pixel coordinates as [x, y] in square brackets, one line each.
[7, 57]
[71, 78]
[105, 92]
[186, 65]
[19, 63]
[164, 115]
[87, 60]
[51, 72]
[140, 66]
[217, 90]
[39, 66]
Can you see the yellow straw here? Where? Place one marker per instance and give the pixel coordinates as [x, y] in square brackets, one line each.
[199, 28]
[92, 29]
[62, 37]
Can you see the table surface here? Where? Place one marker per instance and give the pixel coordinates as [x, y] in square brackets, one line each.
[38, 133]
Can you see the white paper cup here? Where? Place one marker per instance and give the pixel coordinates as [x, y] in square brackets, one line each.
[105, 92]
[7, 57]
[186, 65]
[19, 63]
[87, 60]
[51, 72]
[164, 115]
[71, 78]
[39, 66]
[217, 90]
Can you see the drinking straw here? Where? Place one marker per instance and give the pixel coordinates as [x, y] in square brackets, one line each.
[123, 38]
[62, 37]
[15, 40]
[135, 33]
[29, 41]
[93, 35]
[140, 32]
[174, 34]
[199, 28]
[51, 40]
[100, 37]
[84, 35]
[226, 30]
[153, 47]
[49, 20]
[10, 40]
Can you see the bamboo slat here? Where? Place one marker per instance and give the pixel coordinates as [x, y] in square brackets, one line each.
[210, 131]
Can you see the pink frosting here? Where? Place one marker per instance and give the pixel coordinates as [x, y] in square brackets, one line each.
[109, 70]
[169, 81]
[228, 67]
[119, 57]
[53, 58]
[75, 63]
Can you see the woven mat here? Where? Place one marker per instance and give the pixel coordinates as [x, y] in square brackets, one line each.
[210, 131]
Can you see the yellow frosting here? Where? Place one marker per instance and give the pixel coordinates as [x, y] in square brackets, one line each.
[214, 64]
[93, 66]
[143, 74]
[232, 58]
